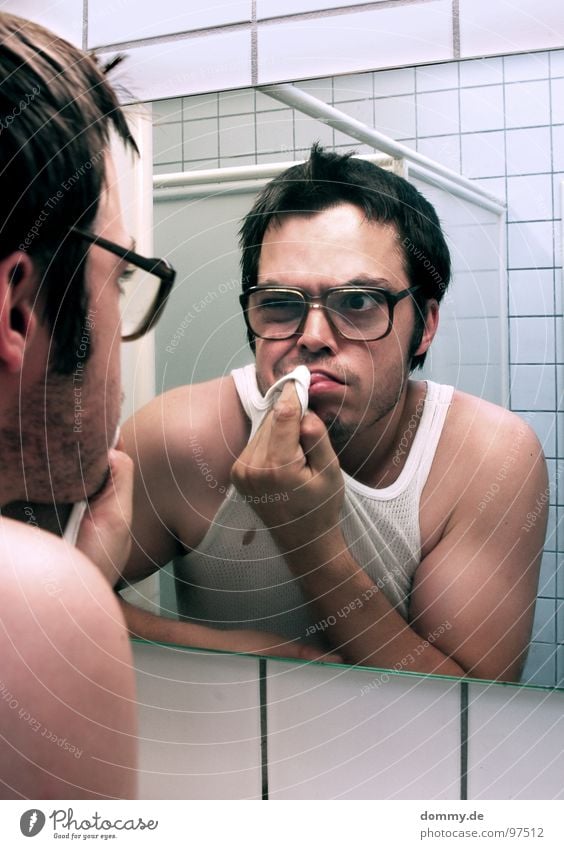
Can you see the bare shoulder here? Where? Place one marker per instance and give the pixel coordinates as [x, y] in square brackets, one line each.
[176, 425]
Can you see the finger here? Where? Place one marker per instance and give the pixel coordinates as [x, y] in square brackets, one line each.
[281, 436]
[315, 441]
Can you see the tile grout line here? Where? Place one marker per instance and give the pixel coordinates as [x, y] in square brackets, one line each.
[263, 728]
[464, 740]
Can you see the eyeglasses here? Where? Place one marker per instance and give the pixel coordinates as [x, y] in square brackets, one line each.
[145, 286]
[363, 314]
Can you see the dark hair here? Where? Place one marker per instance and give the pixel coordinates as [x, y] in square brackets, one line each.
[56, 111]
[328, 179]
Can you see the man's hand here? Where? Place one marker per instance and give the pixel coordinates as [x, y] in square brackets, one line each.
[104, 534]
[291, 465]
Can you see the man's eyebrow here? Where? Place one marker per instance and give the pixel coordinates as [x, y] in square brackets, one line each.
[363, 282]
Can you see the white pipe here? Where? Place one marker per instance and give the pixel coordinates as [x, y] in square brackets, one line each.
[293, 96]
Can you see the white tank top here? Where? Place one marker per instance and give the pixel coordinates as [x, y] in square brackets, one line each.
[237, 577]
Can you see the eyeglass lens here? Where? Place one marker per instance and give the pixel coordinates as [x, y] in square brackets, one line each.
[139, 292]
[356, 313]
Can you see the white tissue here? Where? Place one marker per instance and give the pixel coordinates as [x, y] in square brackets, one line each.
[302, 377]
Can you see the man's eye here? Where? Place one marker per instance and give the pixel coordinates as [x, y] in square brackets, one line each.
[360, 301]
[125, 275]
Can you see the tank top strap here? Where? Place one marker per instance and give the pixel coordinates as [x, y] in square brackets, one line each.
[249, 395]
[437, 403]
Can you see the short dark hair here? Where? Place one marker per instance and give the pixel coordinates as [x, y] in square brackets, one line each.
[328, 179]
[56, 111]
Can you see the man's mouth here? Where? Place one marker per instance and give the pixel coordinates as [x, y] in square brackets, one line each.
[319, 376]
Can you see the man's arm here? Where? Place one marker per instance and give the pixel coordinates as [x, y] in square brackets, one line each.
[473, 596]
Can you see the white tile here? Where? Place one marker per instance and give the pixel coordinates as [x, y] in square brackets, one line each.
[560, 621]
[352, 87]
[274, 8]
[396, 81]
[167, 143]
[532, 387]
[236, 102]
[199, 724]
[531, 340]
[481, 108]
[356, 734]
[483, 154]
[395, 116]
[200, 106]
[187, 66]
[525, 66]
[531, 292]
[201, 139]
[544, 625]
[557, 97]
[275, 132]
[540, 665]
[495, 186]
[437, 113]
[560, 666]
[443, 149]
[390, 36]
[556, 60]
[515, 743]
[63, 17]
[307, 130]
[547, 578]
[527, 104]
[530, 245]
[167, 111]
[529, 198]
[474, 72]
[558, 147]
[528, 151]
[130, 20]
[509, 26]
[237, 135]
[360, 110]
[322, 88]
[435, 77]
[559, 332]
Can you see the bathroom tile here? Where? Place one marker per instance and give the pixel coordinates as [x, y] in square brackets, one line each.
[544, 425]
[557, 192]
[529, 198]
[351, 734]
[531, 291]
[540, 666]
[531, 340]
[494, 186]
[237, 161]
[515, 743]
[339, 44]
[544, 625]
[200, 106]
[559, 333]
[530, 245]
[525, 66]
[199, 724]
[556, 61]
[560, 666]
[528, 151]
[527, 104]
[307, 130]
[394, 82]
[492, 28]
[558, 147]
[129, 21]
[240, 102]
[557, 99]
[264, 103]
[236, 135]
[395, 116]
[321, 88]
[167, 143]
[186, 66]
[275, 8]
[352, 87]
[437, 113]
[547, 577]
[167, 111]
[481, 108]
[436, 77]
[483, 154]
[551, 539]
[201, 139]
[360, 110]
[532, 387]
[443, 149]
[560, 621]
[474, 72]
[167, 168]
[275, 132]
[64, 17]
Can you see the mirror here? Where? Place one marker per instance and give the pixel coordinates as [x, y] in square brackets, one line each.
[197, 217]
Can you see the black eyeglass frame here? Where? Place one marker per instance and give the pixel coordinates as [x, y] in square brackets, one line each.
[391, 299]
[160, 268]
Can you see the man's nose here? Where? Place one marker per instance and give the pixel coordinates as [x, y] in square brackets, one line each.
[317, 332]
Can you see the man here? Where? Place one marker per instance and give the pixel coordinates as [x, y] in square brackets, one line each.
[364, 526]
[67, 710]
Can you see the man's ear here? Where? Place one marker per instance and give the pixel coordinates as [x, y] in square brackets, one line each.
[18, 291]
[431, 326]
